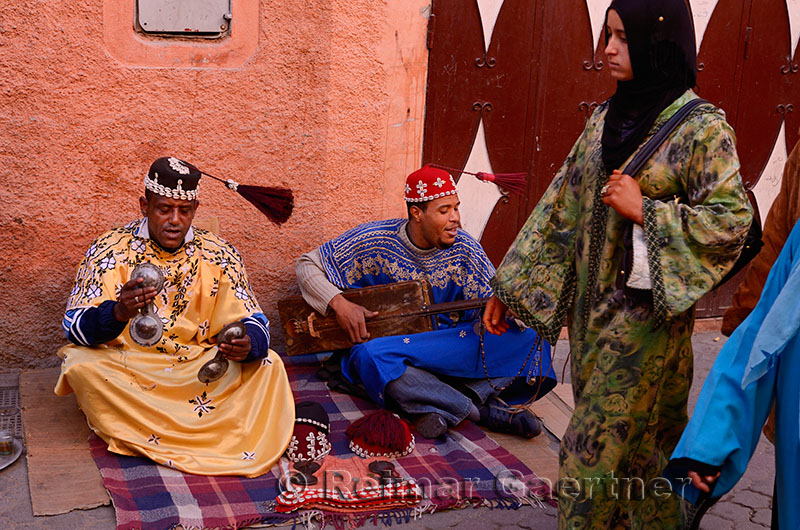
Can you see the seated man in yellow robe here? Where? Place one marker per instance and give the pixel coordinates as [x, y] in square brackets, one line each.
[148, 400]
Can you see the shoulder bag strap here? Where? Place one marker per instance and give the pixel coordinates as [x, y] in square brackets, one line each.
[658, 138]
[633, 167]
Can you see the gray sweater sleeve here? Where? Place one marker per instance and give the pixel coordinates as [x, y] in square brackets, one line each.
[314, 285]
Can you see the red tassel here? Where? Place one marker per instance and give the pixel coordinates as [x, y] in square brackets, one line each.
[510, 182]
[276, 203]
[381, 429]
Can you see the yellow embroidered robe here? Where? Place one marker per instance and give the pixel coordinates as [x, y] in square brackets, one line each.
[147, 400]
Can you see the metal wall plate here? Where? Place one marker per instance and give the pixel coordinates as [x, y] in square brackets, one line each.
[184, 16]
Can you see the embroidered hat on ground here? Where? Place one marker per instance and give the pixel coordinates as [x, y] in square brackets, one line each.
[429, 183]
[380, 433]
[173, 178]
[310, 437]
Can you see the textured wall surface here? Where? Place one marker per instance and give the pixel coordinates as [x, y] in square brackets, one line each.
[323, 96]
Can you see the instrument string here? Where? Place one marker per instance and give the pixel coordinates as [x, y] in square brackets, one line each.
[330, 324]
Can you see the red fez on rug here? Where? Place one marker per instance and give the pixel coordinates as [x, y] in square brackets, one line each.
[310, 437]
[429, 183]
[380, 433]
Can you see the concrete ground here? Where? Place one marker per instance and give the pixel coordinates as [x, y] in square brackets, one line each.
[747, 507]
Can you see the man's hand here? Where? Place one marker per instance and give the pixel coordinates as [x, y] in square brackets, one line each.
[703, 482]
[237, 349]
[624, 195]
[351, 318]
[132, 297]
[494, 316]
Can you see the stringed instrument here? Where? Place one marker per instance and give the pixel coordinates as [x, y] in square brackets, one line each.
[403, 308]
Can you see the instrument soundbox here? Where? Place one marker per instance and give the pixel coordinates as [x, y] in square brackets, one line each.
[403, 308]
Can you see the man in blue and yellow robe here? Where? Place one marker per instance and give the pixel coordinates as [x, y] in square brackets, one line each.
[148, 400]
[439, 377]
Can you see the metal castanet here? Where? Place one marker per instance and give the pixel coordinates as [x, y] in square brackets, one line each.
[216, 367]
[403, 308]
[146, 327]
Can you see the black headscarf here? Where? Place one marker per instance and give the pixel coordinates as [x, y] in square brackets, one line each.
[663, 56]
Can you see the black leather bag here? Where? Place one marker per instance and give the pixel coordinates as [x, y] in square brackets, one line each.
[753, 242]
[752, 246]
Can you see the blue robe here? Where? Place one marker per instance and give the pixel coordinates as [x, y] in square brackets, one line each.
[376, 254]
[759, 364]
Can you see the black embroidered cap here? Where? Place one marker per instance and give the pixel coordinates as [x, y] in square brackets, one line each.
[310, 437]
[312, 413]
[173, 178]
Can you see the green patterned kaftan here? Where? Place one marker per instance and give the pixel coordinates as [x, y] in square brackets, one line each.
[631, 350]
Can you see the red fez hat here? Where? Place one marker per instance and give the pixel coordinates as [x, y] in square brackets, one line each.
[380, 433]
[429, 183]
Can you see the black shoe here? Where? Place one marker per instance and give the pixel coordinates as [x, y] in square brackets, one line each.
[431, 425]
[501, 418]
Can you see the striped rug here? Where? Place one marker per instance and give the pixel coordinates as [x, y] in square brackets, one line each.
[463, 468]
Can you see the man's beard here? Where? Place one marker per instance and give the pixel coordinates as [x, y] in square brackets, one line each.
[444, 246]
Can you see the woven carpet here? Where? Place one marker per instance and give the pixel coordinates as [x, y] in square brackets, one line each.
[463, 468]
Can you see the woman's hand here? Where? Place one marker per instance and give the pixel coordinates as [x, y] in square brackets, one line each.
[494, 316]
[624, 195]
[703, 482]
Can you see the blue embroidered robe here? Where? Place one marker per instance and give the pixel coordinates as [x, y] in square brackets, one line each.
[376, 253]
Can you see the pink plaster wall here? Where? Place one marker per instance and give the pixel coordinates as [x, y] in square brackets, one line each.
[323, 96]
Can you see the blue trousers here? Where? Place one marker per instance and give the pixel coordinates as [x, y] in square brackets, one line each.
[418, 391]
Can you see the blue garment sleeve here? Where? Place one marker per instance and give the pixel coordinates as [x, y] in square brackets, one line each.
[90, 326]
[726, 425]
[258, 330]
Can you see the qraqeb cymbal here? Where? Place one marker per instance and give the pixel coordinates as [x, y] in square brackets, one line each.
[146, 327]
[216, 367]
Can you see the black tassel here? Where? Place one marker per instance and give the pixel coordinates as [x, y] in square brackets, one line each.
[276, 203]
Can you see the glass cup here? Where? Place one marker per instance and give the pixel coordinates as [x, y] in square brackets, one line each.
[6, 443]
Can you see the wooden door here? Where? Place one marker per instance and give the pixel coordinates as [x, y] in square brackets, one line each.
[478, 98]
[752, 79]
[511, 83]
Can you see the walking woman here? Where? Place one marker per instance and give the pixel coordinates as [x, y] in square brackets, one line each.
[624, 260]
